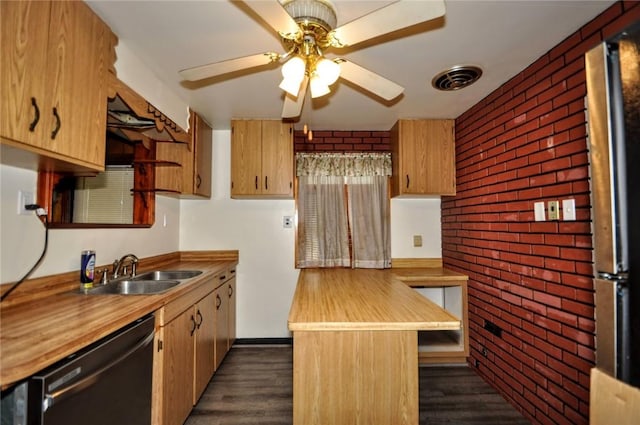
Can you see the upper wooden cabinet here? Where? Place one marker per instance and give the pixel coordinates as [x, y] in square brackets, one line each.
[196, 169]
[190, 177]
[261, 159]
[53, 77]
[423, 156]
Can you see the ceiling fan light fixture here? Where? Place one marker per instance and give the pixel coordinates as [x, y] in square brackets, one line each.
[291, 86]
[294, 69]
[318, 87]
[328, 71]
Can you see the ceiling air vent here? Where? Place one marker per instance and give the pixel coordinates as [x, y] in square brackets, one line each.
[456, 78]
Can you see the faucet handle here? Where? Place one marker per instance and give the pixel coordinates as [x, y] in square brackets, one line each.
[104, 279]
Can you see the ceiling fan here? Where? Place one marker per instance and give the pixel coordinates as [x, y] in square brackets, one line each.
[308, 28]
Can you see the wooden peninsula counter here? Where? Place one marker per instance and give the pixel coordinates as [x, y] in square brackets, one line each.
[355, 347]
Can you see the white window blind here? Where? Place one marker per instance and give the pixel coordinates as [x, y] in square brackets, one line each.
[105, 198]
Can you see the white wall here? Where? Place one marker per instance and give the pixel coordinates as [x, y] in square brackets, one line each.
[266, 273]
[22, 237]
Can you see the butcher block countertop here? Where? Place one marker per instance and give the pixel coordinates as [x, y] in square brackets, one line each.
[38, 332]
[365, 299]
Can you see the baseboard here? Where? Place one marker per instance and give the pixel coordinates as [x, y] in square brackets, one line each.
[263, 341]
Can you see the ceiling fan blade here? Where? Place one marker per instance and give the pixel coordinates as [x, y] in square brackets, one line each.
[231, 65]
[292, 107]
[368, 80]
[272, 12]
[398, 15]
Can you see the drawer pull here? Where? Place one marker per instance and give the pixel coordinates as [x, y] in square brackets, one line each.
[223, 277]
[54, 133]
[230, 291]
[199, 315]
[36, 114]
[218, 301]
[193, 329]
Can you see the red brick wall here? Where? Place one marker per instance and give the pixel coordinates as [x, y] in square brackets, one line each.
[526, 142]
[343, 141]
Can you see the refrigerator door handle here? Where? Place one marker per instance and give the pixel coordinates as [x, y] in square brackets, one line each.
[613, 277]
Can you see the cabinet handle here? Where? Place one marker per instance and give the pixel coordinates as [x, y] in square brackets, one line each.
[198, 181]
[218, 301]
[193, 329]
[407, 181]
[223, 277]
[256, 183]
[36, 114]
[230, 291]
[266, 182]
[54, 133]
[199, 315]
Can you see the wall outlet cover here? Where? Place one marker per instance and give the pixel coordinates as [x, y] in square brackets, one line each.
[25, 198]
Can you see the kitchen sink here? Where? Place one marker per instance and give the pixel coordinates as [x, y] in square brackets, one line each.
[157, 275]
[153, 282]
[134, 287]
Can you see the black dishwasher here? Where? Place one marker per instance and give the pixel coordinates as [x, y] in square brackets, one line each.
[107, 383]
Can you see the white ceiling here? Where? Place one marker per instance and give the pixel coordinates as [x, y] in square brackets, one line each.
[502, 37]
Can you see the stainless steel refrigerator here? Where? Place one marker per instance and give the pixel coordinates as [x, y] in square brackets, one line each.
[613, 108]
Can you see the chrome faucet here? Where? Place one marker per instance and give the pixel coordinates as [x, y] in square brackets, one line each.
[120, 267]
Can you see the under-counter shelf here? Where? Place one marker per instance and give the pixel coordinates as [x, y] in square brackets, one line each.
[449, 291]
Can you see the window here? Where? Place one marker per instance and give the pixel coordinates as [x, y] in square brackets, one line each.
[343, 210]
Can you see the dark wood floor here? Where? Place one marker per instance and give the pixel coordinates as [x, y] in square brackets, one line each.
[254, 386]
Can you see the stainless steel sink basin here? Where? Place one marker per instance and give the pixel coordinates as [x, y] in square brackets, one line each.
[167, 275]
[134, 287]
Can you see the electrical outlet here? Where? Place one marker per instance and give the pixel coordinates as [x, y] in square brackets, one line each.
[417, 240]
[287, 222]
[552, 209]
[25, 198]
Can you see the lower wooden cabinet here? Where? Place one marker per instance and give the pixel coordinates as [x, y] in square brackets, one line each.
[193, 335]
[225, 315]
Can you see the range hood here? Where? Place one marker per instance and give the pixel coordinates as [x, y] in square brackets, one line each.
[131, 117]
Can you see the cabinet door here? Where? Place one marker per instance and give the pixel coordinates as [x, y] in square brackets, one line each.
[77, 71]
[202, 158]
[414, 141]
[440, 157]
[178, 368]
[277, 159]
[246, 157]
[222, 328]
[205, 344]
[231, 293]
[423, 154]
[23, 108]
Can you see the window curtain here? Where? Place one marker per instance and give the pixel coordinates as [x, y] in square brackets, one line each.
[323, 235]
[369, 220]
[329, 216]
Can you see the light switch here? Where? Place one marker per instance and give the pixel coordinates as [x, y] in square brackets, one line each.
[568, 209]
[552, 209]
[417, 240]
[538, 211]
